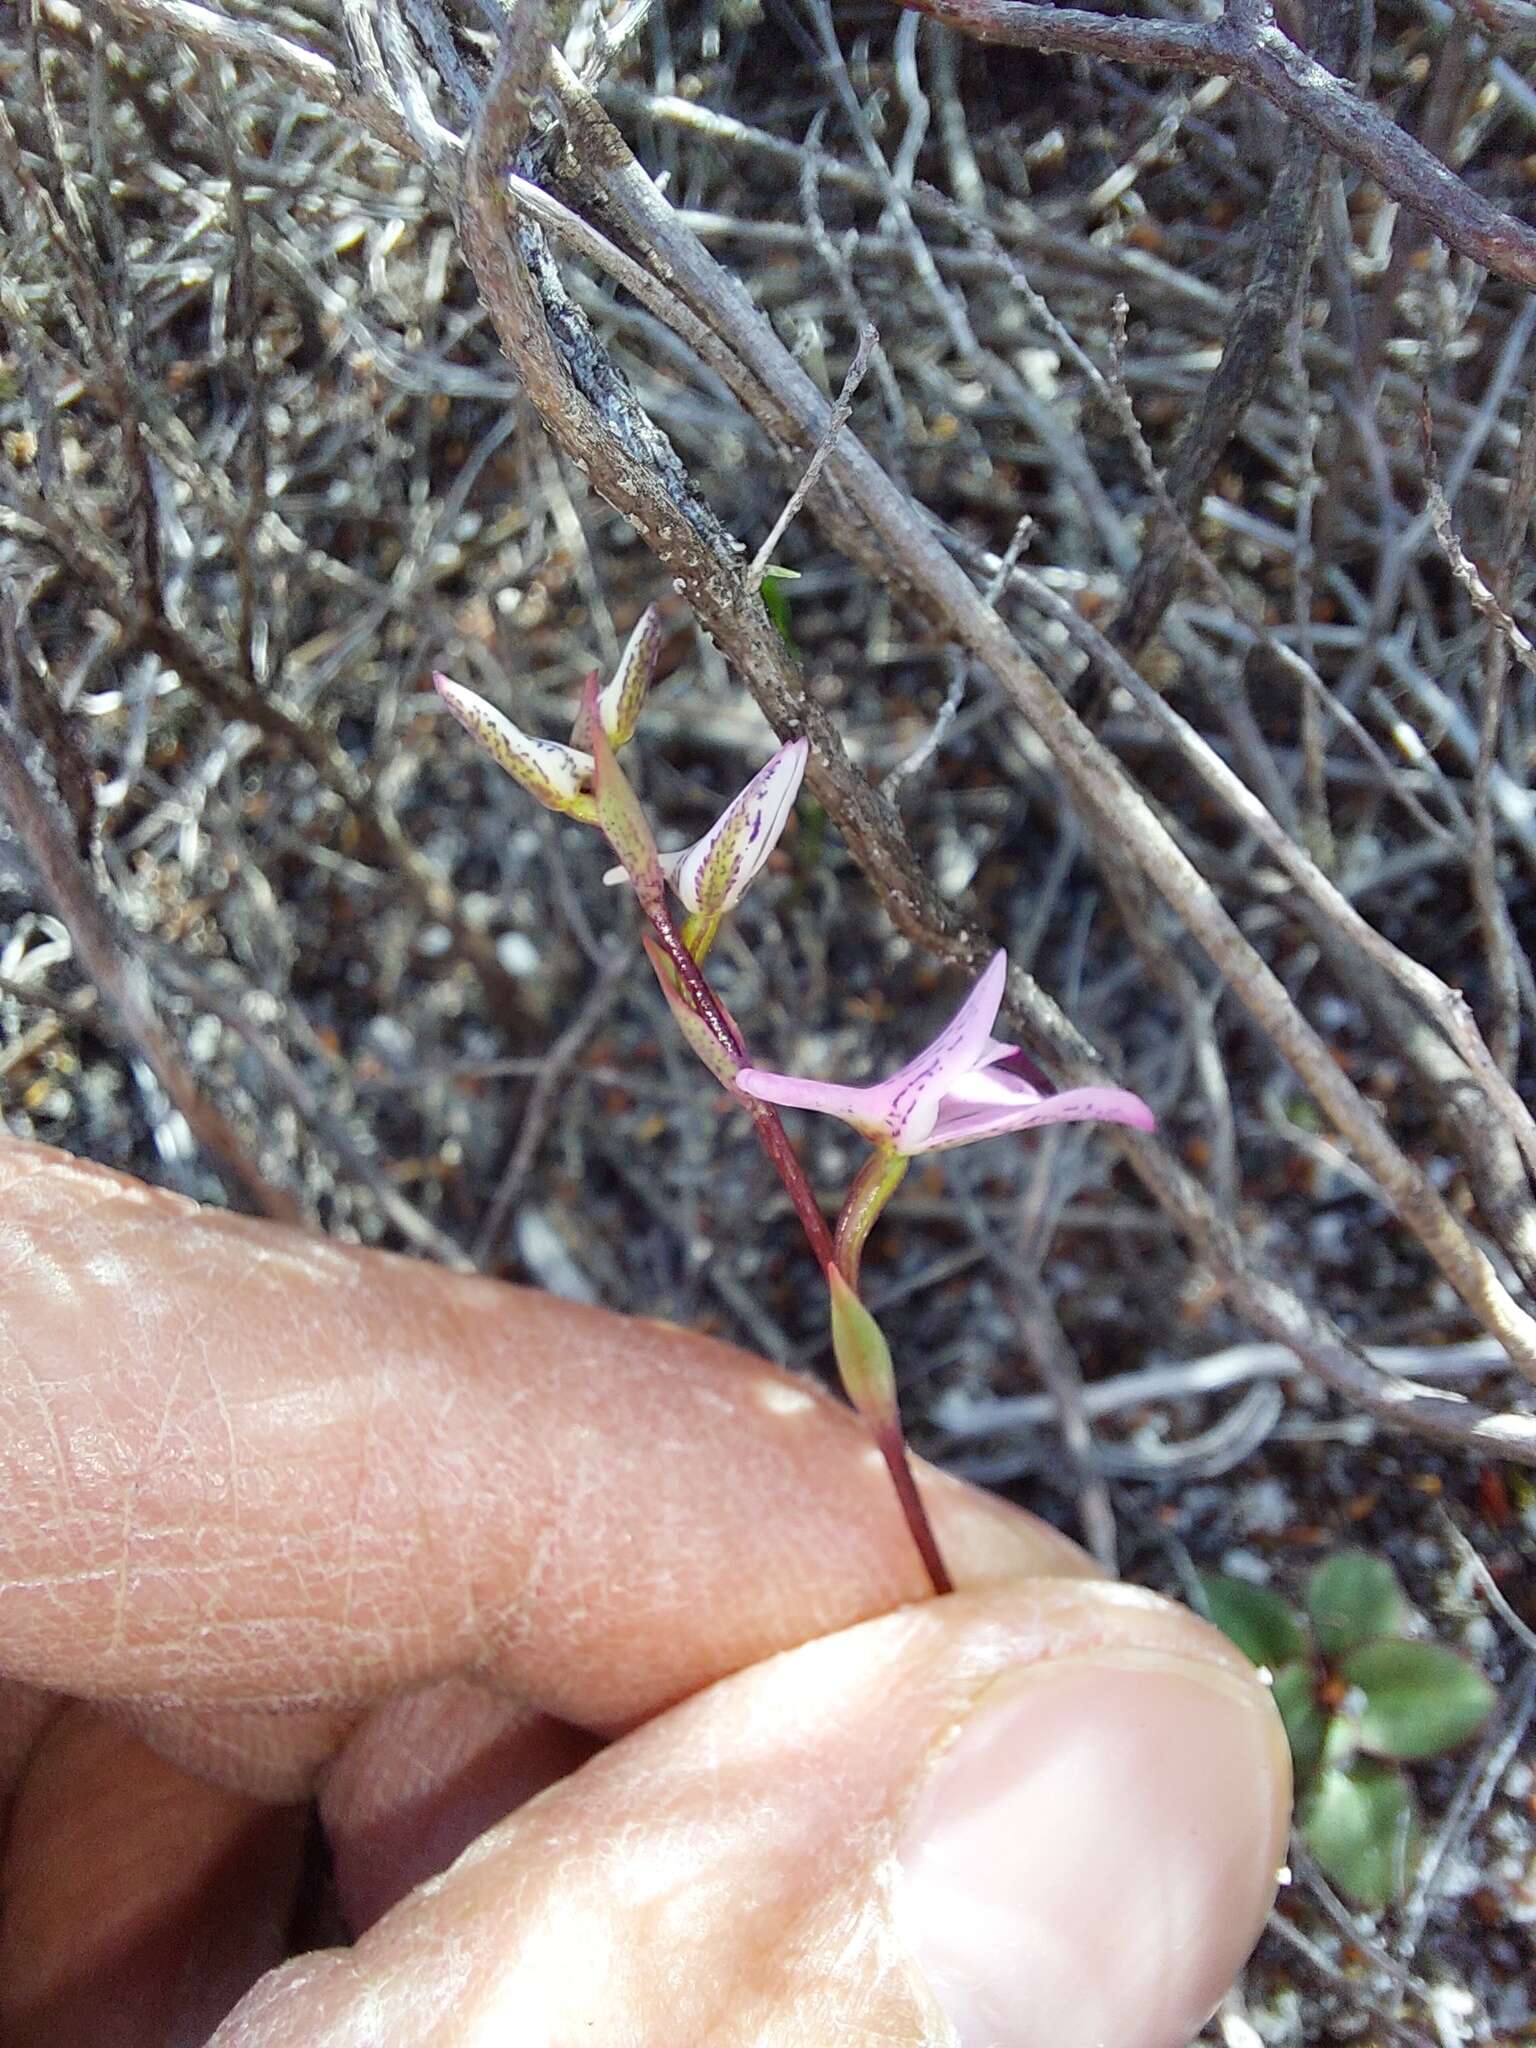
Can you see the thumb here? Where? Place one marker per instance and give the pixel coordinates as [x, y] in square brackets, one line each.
[1045, 1813]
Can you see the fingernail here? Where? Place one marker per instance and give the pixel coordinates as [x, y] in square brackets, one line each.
[1093, 1856]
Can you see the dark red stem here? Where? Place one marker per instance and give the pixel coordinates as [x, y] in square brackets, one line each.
[700, 995]
[771, 1133]
[893, 1448]
[774, 1140]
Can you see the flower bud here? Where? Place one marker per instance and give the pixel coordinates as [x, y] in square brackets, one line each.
[559, 776]
[713, 874]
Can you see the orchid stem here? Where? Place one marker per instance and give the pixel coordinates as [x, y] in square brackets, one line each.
[876, 1183]
[766, 1121]
[877, 1180]
[774, 1140]
[701, 996]
[898, 1462]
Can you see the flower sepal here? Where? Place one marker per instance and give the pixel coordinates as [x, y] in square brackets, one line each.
[711, 876]
[560, 777]
[620, 699]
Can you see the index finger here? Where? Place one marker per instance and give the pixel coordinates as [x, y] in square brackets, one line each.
[243, 1467]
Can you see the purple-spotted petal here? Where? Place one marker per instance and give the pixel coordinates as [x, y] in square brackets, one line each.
[967, 1122]
[715, 872]
[911, 1097]
[619, 701]
[558, 776]
[857, 1106]
[966, 1086]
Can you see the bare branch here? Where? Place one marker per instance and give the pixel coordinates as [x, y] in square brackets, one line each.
[1246, 46]
[119, 975]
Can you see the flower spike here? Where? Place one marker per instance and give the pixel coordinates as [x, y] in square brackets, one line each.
[963, 1087]
[713, 874]
[560, 777]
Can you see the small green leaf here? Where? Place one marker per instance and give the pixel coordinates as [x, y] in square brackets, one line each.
[1353, 1598]
[1341, 1743]
[863, 1356]
[776, 601]
[1305, 1721]
[1262, 1625]
[1420, 1698]
[1362, 1826]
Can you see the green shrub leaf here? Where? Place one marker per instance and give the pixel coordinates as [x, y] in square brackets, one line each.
[1353, 1598]
[1362, 1826]
[1264, 1628]
[1305, 1721]
[1420, 1698]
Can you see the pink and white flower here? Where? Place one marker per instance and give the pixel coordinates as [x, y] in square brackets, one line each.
[963, 1087]
[711, 876]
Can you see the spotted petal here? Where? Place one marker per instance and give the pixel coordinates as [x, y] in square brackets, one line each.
[864, 1108]
[973, 1113]
[912, 1095]
[713, 874]
[901, 1111]
[620, 699]
[965, 1086]
[560, 777]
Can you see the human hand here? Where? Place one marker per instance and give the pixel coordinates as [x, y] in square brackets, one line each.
[283, 1520]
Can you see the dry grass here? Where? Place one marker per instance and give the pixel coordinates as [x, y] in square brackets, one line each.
[273, 933]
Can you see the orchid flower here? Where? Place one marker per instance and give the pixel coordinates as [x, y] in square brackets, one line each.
[963, 1087]
[559, 776]
[713, 874]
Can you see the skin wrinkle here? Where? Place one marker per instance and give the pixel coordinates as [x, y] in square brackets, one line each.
[489, 1448]
[129, 1513]
[747, 1839]
[599, 1517]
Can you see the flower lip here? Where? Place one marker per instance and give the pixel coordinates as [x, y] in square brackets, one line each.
[965, 1086]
